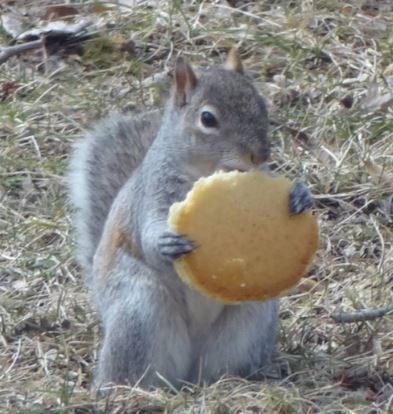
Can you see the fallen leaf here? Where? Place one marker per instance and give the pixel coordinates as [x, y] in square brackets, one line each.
[347, 9]
[97, 8]
[59, 11]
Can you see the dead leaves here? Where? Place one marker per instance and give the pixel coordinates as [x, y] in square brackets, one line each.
[59, 11]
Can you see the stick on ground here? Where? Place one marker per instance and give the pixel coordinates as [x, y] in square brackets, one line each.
[362, 315]
[7, 52]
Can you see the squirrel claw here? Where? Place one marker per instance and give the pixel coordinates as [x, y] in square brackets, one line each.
[172, 246]
[300, 199]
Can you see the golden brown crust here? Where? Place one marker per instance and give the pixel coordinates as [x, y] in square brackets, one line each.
[249, 247]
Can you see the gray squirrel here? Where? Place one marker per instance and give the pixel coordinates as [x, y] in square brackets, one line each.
[124, 176]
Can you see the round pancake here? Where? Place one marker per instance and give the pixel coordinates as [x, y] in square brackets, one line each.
[249, 248]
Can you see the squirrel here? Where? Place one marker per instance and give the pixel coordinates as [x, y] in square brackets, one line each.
[124, 176]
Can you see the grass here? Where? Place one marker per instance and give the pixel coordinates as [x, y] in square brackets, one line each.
[314, 62]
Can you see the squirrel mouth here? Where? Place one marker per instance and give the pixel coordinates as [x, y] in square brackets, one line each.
[228, 168]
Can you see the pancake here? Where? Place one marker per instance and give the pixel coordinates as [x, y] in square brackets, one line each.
[249, 248]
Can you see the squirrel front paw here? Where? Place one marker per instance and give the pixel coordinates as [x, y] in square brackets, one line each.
[300, 199]
[172, 246]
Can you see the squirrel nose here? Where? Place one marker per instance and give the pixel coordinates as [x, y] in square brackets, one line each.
[260, 156]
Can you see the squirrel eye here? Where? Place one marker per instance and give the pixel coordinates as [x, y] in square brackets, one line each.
[208, 119]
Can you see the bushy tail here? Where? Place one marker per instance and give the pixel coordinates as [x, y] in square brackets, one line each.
[100, 165]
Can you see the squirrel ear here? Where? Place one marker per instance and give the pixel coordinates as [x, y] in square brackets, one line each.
[185, 81]
[234, 62]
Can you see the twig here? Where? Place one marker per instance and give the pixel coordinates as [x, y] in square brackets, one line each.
[7, 52]
[362, 315]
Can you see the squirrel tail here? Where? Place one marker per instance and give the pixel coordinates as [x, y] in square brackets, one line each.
[100, 165]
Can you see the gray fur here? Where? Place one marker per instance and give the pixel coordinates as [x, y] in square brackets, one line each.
[130, 171]
[101, 164]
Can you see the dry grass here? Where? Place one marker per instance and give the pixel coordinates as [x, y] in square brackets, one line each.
[314, 62]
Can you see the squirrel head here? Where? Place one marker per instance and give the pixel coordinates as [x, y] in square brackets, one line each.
[221, 120]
